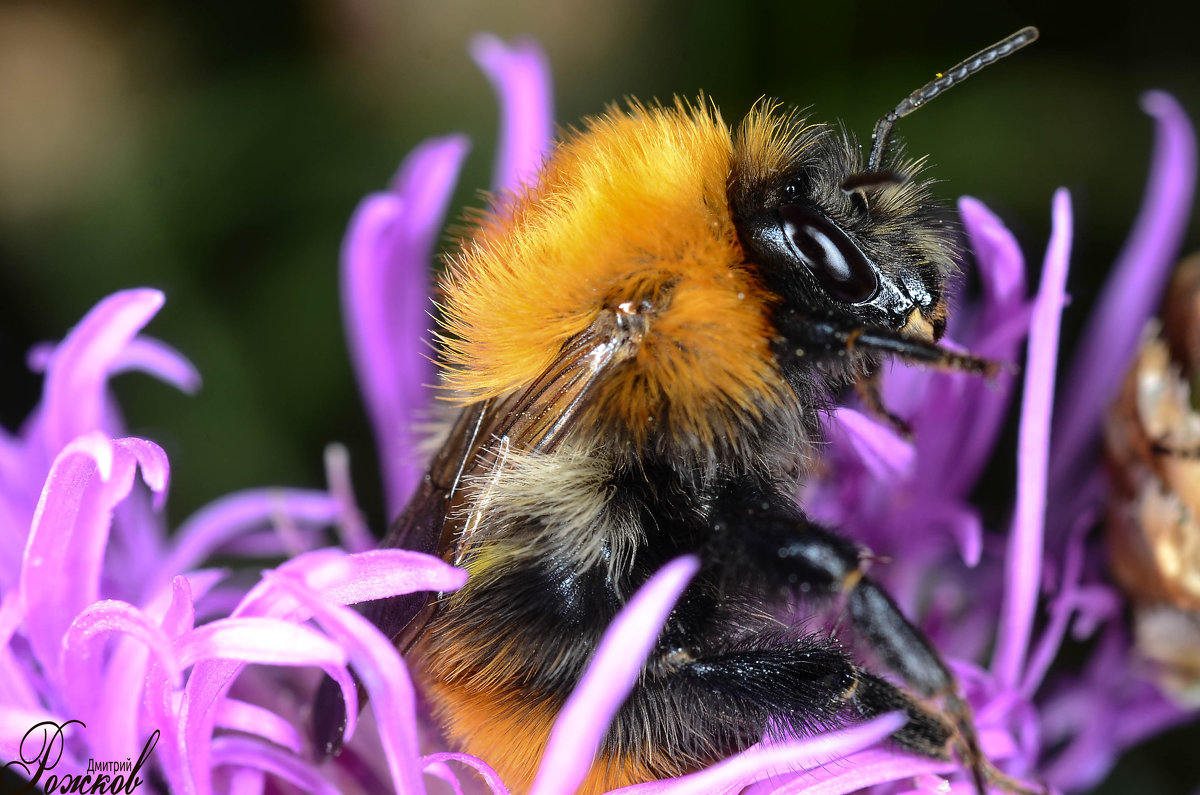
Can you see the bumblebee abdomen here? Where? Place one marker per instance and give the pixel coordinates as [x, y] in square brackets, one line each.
[501, 657]
[511, 731]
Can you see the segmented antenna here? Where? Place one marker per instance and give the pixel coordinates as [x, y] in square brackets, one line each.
[944, 80]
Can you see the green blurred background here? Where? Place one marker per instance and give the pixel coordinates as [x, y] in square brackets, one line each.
[215, 150]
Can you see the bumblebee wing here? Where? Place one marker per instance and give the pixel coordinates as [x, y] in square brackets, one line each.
[536, 418]
[532, 419]
[419, 525]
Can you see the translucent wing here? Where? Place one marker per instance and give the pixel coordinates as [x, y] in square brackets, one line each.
[532, 419]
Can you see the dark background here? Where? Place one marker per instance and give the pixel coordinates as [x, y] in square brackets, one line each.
[215, 150]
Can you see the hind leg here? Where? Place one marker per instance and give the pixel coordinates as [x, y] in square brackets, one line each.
[764, 539]
[690, 710]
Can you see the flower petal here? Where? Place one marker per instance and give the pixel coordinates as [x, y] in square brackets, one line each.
[998, 258]
[221, 654]
[386, 259]
[489, 776]
[883, 452]
[74, 400]
[766, 762]
[82, 656]
[520, 76]
[386, 572]
[247, 752]
[15, 686]
[1135, 288]
[253, 719]
[236, 514]
[65, 553]
[352, 527]
[270, 641]
[15, 723]
[382, 673]
[1001, 324]
[442, 771]
[155, 357]
[351, 579]
[1023, 561]
[243, 781]
[609, 678]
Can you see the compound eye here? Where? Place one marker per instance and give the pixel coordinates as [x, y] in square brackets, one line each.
[841, 268]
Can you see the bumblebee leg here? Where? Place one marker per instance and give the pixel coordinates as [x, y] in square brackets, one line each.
[793, 554]
[770, 684]
[867, 388]
[825, 337]
[797, 555]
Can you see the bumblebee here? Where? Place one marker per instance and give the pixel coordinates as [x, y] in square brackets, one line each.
[642, 343]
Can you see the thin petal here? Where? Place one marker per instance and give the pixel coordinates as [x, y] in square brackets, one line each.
[1000, 328]
[1135, 288]
[883, 452]
[259, 640]
[244, 781]
[485, 771]
[76, 375]
[155, 357]
[520, 76]
[65, 553]
[106, 687]
[1024, 557]
[253, 719]
[442, 771]
[861, 770]
[153, 463]
[16, 689]
[82, 655]
[221, 649]
[383, 674]
[386, 262]
[211, 680]
[956, 417]
[998, 258]
[247, 752]
[236, 514]
[143, 353]
[15, 723]
[352, 527]
[963, 523]
[188, 737]
[1061, 610]
[764, 762]
[351, 579]
[609, 678]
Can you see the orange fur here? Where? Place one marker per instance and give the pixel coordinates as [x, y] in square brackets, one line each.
[511, 731]
[511, 738]
[633, 208]
[768, 141]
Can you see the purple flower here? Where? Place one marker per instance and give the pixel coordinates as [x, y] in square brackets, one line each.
[112, 641]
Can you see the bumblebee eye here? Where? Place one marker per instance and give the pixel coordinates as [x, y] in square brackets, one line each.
[841, 268]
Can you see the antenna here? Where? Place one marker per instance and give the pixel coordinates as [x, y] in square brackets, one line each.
[943, 81]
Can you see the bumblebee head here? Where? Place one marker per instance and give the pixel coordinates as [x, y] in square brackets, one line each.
[834, 242]
[843, 240]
